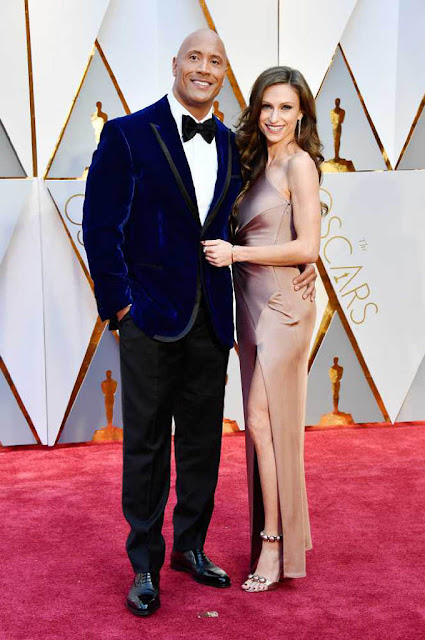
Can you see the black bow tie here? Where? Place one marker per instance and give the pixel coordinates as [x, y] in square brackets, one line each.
[191, 128]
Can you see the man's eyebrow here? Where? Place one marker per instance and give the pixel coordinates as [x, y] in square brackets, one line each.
[199, 53]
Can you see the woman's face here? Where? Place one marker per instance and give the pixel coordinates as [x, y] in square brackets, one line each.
[279, 113]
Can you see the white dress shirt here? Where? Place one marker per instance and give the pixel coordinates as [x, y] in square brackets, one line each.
[201, 157]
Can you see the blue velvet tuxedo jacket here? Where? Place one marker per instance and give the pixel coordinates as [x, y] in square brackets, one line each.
[141, 226]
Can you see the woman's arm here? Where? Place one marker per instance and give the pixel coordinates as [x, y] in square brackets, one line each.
[304, 187]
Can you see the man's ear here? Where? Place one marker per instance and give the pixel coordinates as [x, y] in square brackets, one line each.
[174, 66]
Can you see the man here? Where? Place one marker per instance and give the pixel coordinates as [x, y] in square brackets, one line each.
[162, 180]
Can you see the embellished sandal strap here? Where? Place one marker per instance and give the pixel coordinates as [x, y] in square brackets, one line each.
[256, 578]
[267, 538]
[267, 585]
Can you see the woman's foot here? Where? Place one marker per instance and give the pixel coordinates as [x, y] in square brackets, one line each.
[267, 573]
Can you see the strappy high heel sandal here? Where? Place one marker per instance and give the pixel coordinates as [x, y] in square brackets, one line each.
[253, 577]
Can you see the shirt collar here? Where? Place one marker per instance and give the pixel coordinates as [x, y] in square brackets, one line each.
[178, 110]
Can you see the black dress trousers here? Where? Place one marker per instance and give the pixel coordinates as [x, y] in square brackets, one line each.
[184, 379]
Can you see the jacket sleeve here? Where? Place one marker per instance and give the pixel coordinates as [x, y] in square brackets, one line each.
[107, 205]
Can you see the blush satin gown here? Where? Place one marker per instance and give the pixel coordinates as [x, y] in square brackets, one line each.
[274, 325]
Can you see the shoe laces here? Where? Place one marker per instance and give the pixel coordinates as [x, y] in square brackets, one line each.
[201, 555]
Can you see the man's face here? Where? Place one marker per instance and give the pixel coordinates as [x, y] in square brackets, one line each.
[199, 69]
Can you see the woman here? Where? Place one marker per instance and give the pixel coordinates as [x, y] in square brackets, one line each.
[277, 226]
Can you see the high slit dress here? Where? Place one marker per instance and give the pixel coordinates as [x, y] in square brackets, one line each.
[274, 325]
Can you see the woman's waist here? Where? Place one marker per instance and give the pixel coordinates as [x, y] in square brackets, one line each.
[263, 280]
[247, 270]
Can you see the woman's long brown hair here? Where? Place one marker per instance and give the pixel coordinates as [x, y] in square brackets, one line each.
[252, 143]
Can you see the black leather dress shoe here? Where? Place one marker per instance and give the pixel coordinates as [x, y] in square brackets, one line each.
[143, 597]
[200, 567]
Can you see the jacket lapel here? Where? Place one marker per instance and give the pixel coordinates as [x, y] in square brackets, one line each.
[224, 172]
[167, 136]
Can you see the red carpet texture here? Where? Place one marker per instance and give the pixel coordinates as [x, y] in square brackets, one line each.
[65, 573]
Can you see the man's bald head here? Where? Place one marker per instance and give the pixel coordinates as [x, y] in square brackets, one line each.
[199, 69]
[203, 35]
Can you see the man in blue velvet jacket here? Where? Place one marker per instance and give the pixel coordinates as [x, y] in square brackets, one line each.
[163, 180]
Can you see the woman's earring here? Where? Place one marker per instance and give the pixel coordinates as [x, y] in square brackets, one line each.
[298, 128]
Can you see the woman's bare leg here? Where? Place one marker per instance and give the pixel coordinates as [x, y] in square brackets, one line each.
[260, 431]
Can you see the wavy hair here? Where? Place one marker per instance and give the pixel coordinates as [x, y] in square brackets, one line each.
[251, 141]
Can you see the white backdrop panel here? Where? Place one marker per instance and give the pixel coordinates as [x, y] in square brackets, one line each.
[370, 45]
[14, 428]
[250, 36]
[14, 94]
[13, 196]
[62, 37]
[69, 312]
[410, 68]
[414, 154]
[10, 165]
[233, 406]
[309, 33]
[372, 244]
[21, 313]
[68, 196]
[129, 39]
[413, 407]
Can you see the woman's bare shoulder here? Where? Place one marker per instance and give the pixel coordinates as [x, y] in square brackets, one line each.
[301, 166]
[300, 160]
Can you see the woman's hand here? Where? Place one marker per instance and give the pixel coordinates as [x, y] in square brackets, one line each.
[218, 252]
[306, 280]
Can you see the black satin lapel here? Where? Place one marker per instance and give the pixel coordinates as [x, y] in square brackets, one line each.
[224, 173]
[167, 135]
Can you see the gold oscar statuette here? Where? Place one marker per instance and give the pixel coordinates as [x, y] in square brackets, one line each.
[218, 114]
[110, 432]
[336, 417]
[337, 164]
[98, 119]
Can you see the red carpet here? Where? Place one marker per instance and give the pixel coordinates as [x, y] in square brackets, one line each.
[65, 572]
